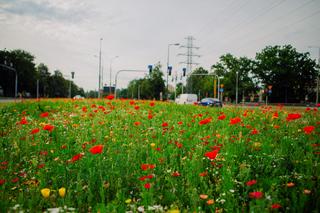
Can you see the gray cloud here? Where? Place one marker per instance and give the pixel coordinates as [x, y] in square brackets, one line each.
[42, 11]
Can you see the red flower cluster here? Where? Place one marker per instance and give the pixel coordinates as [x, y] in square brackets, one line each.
[137, 123]
[205, 121]
[222, 117]
[147, 166]
[212, 155]
[256, 195]
[143, 178]
[276, 206]
[48, 127]
[76, 157]
[96, 149]
[251, 182]
[175, 174]
[35, 131]
[293, 116]
[152, 104]
[23, 121]
[164, 124]
[44, 114]
[254, 131]
[308, 129]
[110, 97]
[147, 185]
[235, 120]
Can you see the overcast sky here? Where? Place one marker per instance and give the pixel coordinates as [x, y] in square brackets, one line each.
[65, 34]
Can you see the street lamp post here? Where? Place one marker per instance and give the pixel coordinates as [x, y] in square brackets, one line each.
[317, 89]
[237, 78]
[168, 57]
[99, 86]
[111, 72]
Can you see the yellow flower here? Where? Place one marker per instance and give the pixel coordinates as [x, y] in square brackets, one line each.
[152, 145]
[128, 201]
[174, 211]
[62, 192]
[45, 192]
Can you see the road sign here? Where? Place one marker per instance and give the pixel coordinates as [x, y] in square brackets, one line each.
[221, 90]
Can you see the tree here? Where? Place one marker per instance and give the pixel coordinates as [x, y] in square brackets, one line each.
[291, 74]
[44, 77]
[228, 67]
[22, 62]
[157, 84]
[196, 83]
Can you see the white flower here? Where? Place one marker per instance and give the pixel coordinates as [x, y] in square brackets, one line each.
[140, 209]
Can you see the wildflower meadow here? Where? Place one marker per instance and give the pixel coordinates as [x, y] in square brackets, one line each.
[106, 155]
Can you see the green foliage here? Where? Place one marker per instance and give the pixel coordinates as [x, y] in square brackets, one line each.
[28, 74]
[149, 87]
[291, 74]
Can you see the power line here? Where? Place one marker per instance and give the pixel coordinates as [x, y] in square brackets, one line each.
[248, 21]
[276, 19]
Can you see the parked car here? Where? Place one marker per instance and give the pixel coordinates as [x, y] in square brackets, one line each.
[186, 99]
[210, 102]
[78, 97]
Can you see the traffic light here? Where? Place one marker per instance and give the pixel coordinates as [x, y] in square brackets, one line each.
[184, 71]
[169, 70]
[72, 75]
[150, 69]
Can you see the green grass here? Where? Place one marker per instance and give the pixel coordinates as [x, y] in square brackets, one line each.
[280, 153]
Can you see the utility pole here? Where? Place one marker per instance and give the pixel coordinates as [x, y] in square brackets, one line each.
[317, 89]
[189, 54]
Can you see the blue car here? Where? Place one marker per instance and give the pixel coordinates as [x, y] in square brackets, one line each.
[210, 102]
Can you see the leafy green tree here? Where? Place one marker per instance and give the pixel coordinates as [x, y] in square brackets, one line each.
[291, 74]
[196, 83]
[43, 75]
[23, 63]
[157, 84]
[58, 86]
[229, 67]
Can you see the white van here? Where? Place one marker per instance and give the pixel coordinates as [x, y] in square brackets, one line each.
[186, 99]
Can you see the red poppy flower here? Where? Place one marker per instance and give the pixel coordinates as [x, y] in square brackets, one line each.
[136, 107]
[76, 157]
[96, 149]
[147, 166]
[40, 166]
[205, 121]
[131, 102]
[164, 124]
[175, 174]
[293, 116]
[275, 115]
[14, 180]
[254, 132]
[212, 155]
[23, 121]
[44, 114]
[110, 97]
[235, 120]
[251, 182]
[144, 166]
[143, 178]
[35, 131]
[147, 185]
[44, 153]
[256, 195]
[150, 116]
[84, 109]
[203, 174]
[180, 123]
[222, 117]
[2, 181]
[308, 129]
[137, 123]
[152, 104]
[276, 206]
[48, 127]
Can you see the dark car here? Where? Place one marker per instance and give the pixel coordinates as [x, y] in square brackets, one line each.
[214, 102]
